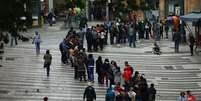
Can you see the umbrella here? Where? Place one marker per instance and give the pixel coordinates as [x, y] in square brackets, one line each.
[191, 16]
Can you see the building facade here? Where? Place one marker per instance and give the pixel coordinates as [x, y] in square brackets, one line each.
[178, 7]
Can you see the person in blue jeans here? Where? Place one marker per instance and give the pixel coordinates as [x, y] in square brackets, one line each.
[37, 41]
[90, 67]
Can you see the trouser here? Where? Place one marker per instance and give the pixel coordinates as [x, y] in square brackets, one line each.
[191, 49]
[13, 39]
[111, 81]
[64, 57]
[111, 40]
[130, 40]
[176, 46]
[90, 72]
[147, 34]
[48, 69]
[37, 48]
[104, 77]
[75, 72]
[101, 44]
[95, 45]
[99, 77]
[82, 74]
[89, 45]
[166, 34]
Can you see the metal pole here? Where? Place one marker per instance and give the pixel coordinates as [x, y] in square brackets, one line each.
[107, 10]
[87, 8]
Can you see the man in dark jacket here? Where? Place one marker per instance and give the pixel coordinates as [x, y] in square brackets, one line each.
[152, 93]
[89, 93]
[191, 43]
[177, 38]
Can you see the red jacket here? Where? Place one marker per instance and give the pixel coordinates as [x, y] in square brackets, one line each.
[128, 72]
[191, 98]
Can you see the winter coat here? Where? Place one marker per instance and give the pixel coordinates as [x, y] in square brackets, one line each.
[110, 95]
[89, 93]
[128, 71]
[99, 65]
[117, 76]
[152, 94]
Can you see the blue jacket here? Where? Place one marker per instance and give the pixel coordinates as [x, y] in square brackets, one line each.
[110, 95]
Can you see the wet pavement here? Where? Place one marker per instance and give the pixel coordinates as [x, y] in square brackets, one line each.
[22, 72]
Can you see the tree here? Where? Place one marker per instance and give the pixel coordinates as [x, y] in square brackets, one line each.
[11, 12]
[73, 3]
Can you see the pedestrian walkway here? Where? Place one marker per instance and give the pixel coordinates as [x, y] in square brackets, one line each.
[22, 72]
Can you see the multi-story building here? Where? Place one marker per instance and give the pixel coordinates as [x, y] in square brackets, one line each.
[178, 7]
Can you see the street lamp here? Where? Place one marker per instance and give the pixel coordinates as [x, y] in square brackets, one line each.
[107, 9]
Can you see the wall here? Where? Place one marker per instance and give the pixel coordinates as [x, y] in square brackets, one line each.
[192, 5]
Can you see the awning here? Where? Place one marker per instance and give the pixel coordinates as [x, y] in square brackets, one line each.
[194, 16]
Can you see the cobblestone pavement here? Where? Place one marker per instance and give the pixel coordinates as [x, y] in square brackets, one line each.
[22, 72]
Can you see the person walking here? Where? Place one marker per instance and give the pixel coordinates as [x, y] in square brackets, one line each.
[47, 61]
[191, 43]
[89, 93]
[37, 41]
[90, 68]
[182, 97]
[177, 38]
[14, 35]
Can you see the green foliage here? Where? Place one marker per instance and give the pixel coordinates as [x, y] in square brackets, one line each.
[78, 3]
[10, 13]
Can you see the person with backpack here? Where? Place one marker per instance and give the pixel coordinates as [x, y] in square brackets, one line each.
[89, 93]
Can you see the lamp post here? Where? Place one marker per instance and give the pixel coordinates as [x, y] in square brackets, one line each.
[107, 9]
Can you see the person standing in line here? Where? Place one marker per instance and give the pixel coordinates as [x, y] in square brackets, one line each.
[190, 96]
[191, 43]
[152, 93]
[89, 93]
[90, 68]
[127, 74]
[37, 41]
[48, 59]
[182, 97]
[99, 64]
[81, 66]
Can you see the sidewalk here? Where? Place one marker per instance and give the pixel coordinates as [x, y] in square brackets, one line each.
[55, 33]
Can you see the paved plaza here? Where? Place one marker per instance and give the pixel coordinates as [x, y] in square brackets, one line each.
[23, 78]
